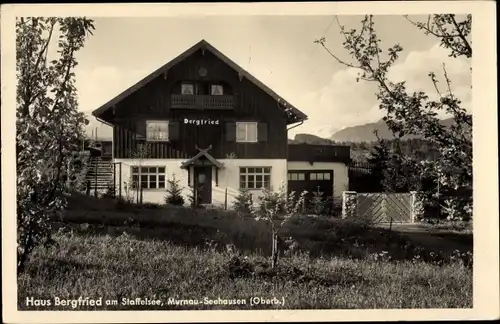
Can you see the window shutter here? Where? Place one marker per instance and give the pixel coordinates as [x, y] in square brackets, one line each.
[141, 129]
[173, 130]
[262, 132]
[231, 131]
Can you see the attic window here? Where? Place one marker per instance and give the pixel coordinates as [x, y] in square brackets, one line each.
[217, 90]
[187, 89]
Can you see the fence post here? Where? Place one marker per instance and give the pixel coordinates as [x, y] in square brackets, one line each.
[87, 188]
[95, 178]
[114, 180]
[120, 180]
[349, 204]
[415, 207]
[225, 200]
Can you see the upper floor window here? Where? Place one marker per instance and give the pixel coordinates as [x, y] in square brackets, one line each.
[187, 89]
[217, 90]
[157, 130]
[246, 132]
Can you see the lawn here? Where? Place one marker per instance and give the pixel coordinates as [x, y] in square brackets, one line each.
[197, 257]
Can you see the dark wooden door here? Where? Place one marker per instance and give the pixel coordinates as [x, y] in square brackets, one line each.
[203, 181]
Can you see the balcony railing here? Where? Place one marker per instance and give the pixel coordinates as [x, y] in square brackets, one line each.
[202, 102]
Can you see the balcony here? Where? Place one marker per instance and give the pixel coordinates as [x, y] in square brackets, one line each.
[202, 102]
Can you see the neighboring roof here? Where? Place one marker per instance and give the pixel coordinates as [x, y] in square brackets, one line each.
[291, 110]
[204, 153]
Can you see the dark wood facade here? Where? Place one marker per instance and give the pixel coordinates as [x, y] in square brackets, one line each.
[161, 99]
[319, 153]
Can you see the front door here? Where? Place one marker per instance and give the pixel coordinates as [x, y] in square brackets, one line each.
[203, 184]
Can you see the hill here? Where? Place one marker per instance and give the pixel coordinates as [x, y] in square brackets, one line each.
[365, 133]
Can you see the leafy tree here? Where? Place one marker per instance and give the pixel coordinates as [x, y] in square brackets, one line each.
[174, 193]
[49, 125]
[379, 159]
[416, 113]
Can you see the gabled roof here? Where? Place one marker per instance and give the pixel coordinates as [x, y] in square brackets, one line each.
[293, 112]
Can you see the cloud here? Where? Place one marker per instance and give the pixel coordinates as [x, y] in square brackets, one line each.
[343, 102]
[417, 66]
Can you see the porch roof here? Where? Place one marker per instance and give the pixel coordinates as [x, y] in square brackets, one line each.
[196, 159]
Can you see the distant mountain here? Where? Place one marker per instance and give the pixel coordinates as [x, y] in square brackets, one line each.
[311, 139]
[365, 133]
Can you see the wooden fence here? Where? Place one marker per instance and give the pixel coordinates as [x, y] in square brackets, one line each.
[381, 207]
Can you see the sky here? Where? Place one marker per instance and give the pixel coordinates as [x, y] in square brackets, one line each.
[278, 50]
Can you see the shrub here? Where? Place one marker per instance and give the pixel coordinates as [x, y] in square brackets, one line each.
[110, 191]
[318, 203]
[174, 193]
[243, 201]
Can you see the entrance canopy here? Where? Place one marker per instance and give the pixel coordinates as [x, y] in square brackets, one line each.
[203, 158]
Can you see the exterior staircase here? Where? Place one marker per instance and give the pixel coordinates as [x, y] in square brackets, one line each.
[100, 173]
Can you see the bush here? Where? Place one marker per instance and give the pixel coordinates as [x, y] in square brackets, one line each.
[174, 193]
[110, 191]
[318, 205]
[243, 201]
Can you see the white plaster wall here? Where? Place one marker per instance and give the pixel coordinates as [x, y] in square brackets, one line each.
[340, 173]
[228, 177]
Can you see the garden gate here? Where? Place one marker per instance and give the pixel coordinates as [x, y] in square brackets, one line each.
[380, 207]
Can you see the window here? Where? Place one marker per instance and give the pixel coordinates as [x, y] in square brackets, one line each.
[255, 178]
[157, 130]
[293, 176]
[217, 90]
[320, 176]
[150, 177]
[187, 89]
[246, 132]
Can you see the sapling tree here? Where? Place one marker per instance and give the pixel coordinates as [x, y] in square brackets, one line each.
[174, 192]
[276, 209]
[49, 126]
[417, 113]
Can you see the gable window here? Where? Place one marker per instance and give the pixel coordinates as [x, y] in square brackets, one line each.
[148, 177]
[157, 130]
[246, 132]
[255, 178]
[217, 90]
[187, 89]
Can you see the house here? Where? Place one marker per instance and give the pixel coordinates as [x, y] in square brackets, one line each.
[214, 127]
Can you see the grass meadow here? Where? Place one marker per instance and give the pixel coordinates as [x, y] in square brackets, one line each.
[115, 252]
